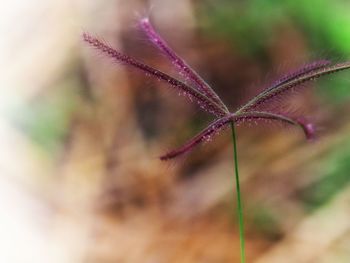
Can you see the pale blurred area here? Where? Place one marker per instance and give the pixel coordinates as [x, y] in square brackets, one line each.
[80, 180]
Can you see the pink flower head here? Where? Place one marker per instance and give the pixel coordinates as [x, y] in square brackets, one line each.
[198, 90]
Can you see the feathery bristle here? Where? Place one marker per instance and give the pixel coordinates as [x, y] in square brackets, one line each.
[220, 124]
[307, 127]
[179, 63]
[204, 102]
[301, 71]
[270, 93]
[204, 135]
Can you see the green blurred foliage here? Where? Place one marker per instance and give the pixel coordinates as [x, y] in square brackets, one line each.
[250, 25]
[264, 222]
[46, 119]
[335, 177]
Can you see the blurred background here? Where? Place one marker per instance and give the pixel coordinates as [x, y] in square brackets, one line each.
[80, 178]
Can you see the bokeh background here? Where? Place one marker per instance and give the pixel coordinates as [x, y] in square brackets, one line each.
[80, 178]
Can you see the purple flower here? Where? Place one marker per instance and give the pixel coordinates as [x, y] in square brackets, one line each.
[199, 91]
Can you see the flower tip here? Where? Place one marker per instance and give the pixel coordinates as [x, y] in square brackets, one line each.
[85, 36]
[308, 128]
[144, 21]
[309, 131]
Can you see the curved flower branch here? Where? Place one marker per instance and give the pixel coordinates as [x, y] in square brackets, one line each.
[181, 64]
[297, 79]
[222, 123]
[206, 103]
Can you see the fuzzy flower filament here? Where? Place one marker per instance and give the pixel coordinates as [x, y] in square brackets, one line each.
[179, 63]
[298, 78]
[206, 103]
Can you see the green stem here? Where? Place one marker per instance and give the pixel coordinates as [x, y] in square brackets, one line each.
[239, 203]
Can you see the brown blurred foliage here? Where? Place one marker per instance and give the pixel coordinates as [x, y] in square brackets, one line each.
[110, 199]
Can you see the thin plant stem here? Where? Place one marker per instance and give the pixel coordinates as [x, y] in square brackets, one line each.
[239, 201]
